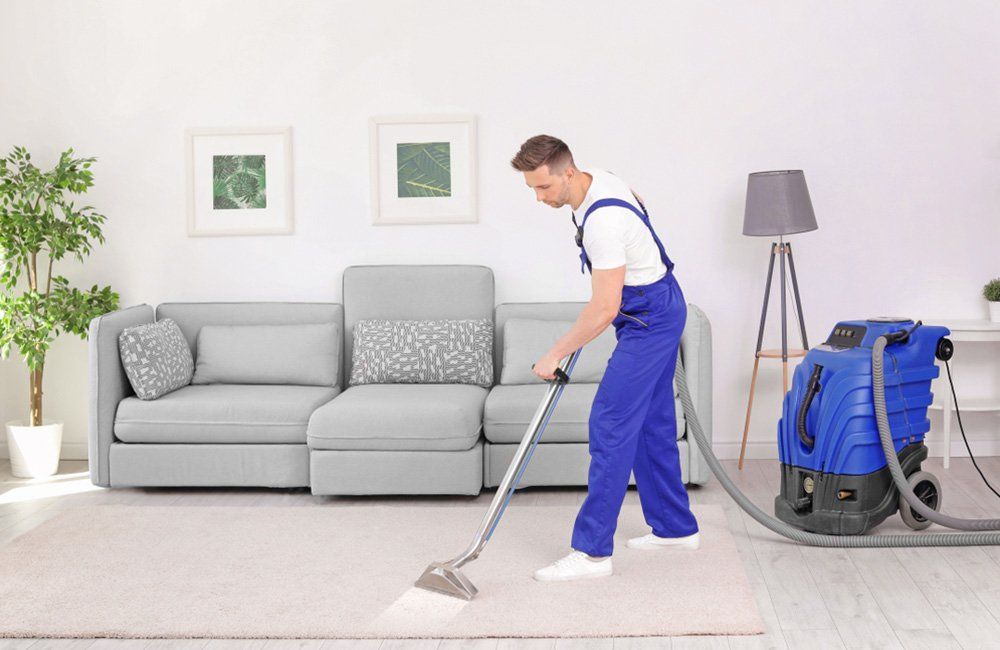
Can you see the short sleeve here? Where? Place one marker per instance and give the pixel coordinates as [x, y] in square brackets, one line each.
[604, 239]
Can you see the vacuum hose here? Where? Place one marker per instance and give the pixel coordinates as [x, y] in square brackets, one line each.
[899, 479]
[811, 389]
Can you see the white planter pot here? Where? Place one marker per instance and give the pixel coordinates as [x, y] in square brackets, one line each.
[995, 311]
[34, 451]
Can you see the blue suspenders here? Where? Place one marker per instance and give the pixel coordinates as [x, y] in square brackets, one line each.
[644, 216]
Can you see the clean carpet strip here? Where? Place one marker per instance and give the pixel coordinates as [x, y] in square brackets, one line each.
[347, 571]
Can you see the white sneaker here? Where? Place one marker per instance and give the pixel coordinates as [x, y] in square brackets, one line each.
[574, 566]
[651, 541]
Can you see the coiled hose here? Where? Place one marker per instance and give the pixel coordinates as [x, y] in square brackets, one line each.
[898, 478]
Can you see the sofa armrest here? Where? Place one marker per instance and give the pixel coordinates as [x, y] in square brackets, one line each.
[696, 355]
[109, 384]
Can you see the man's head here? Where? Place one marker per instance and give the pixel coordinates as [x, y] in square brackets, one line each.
[548, 169]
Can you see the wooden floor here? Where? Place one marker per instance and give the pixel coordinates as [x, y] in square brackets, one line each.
[809, 597]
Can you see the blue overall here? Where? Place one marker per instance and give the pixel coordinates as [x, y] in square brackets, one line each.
[633, 425]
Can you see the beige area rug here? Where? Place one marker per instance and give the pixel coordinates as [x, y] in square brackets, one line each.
[348, 572]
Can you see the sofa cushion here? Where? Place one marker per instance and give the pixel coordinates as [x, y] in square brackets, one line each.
[302, 354]
[509, 410]
[156, 358]
[525, 340]
[414, 292]
[222, 413]
[440, 417]
[446, 351]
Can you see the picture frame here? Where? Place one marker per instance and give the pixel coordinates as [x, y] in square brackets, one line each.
[423, 169]
[239, 181]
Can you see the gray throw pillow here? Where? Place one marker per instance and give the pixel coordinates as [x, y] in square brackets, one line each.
[305, 354]
[525, 340]
[156, 358]
[423, 352]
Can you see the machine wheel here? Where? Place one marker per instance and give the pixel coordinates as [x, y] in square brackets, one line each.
[928, 489]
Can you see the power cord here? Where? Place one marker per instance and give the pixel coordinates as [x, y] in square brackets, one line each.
[962, 429]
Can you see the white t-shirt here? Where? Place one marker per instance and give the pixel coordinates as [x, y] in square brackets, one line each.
[616, 236]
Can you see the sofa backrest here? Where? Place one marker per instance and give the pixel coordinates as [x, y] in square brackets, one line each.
[568, 311]
[414, 292]
[192, 316]
[695, 340]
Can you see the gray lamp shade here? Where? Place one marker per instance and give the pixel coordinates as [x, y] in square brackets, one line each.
[778, 204]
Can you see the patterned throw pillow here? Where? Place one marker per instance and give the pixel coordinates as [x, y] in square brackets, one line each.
[423, 352]
[156, 358]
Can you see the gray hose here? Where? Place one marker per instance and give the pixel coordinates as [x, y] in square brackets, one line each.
[898, 477]
[846, 541]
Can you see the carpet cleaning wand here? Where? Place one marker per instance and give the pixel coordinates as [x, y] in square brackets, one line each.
[445, 577]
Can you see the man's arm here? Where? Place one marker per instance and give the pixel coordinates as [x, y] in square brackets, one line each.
[596, 315]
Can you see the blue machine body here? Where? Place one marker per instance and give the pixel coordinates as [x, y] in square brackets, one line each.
[841, 414]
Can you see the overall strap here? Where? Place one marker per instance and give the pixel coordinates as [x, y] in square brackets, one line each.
[643, 216]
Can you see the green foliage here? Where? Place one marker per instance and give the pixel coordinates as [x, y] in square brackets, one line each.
[37, 217]
[239, 182]
[991, 290]
[423, 169]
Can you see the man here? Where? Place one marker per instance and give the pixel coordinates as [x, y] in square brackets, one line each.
[632, 424]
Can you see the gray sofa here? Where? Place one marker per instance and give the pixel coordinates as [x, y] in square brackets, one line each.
[364, 439]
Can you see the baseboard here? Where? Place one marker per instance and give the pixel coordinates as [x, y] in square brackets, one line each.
[74, 451]
[67, 451]
[958, 450]
[757, 450]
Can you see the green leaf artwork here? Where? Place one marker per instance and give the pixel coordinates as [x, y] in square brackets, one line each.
[423, 169]
[238, 182]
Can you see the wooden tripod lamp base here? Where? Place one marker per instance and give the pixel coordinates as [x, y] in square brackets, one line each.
[765, 354]
[781, 249]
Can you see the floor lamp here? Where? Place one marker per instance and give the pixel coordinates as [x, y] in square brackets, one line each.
[777, 205]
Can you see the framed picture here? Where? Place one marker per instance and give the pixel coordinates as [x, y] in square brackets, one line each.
[239, 181]
[423, 169]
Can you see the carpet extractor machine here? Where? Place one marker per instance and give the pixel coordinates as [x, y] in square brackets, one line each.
[850, 442]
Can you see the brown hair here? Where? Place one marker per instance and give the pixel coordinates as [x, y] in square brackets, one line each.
[542, 150]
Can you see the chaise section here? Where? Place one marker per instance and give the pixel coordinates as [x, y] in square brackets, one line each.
[358, 472]
[398, 438]
[222, 413]
[395, 417]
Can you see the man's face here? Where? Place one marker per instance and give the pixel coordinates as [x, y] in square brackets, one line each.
[553, 189]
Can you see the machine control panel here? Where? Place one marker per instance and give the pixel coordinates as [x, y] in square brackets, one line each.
[845, 336]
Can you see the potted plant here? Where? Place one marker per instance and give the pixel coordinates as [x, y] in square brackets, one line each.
[991, 291]
[37, 219]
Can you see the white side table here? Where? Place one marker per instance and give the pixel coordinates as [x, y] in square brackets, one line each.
[964, 330]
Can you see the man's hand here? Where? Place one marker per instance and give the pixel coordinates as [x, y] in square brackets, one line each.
[546, 367]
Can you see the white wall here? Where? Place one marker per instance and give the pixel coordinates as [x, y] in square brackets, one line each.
[891, 110]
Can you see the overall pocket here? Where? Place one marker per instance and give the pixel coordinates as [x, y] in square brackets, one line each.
[637, 311]
[631, 317]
